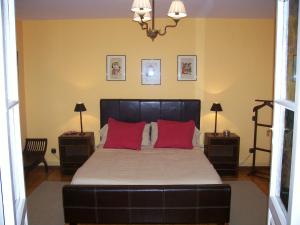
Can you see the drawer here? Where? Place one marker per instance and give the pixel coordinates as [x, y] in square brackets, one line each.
[223, 160]
[73, 141]
[74, 159]
[224, 141]
[74, 150]
[221, 151]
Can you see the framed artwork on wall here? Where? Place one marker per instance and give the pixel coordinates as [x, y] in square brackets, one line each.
[115, 67]
[186, 67]
[151, 71]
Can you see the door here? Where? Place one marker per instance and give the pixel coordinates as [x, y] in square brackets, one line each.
[284, 197]
[11, 164]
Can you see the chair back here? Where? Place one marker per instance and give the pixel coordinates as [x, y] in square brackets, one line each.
[35, 146]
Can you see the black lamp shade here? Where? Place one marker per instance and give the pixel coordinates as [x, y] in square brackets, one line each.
[216, 107]
[79, 107]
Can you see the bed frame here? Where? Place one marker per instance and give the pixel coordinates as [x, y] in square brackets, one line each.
[147, 204]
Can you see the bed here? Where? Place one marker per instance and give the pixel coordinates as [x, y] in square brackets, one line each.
[145, 201]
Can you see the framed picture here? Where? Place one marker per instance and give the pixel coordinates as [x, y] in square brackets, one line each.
[187, 67]
[115, 67]
[151, 71]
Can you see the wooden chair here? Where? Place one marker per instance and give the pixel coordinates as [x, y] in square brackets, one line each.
[34, 153]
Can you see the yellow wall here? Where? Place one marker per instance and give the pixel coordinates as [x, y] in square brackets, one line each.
[64, 62]
[21, 80]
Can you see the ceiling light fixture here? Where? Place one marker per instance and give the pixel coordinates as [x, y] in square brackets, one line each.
[142, 9]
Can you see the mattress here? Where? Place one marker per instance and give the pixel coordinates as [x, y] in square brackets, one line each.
[146, 167]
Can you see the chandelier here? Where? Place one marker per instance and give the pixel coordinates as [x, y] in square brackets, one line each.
[142, 10]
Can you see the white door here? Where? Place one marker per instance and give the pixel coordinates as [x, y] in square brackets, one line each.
[284, 197]
[11, 164]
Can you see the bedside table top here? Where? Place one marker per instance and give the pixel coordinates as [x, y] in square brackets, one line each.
[77, 135]
[220, 135]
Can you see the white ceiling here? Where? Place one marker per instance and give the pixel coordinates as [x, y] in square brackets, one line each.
[84, 9]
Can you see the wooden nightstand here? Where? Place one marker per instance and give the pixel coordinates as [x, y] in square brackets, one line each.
[223, 152]
[74, 150]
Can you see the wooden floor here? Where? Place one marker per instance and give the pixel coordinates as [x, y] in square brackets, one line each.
[35, 177]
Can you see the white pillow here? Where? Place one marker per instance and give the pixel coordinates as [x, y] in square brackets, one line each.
[146, 135]
[103, 134]
[154, 135]
[145, 140]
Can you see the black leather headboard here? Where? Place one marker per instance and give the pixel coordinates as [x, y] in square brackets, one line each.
[149, 110]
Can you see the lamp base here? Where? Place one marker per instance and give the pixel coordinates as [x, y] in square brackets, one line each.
[82, 133]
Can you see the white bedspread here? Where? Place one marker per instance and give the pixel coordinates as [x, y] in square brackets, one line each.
[147, 167]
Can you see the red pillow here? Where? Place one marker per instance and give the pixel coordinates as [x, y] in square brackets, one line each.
[124, 135]
[174, 134]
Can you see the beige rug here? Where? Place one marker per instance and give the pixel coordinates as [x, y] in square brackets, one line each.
[248, 204]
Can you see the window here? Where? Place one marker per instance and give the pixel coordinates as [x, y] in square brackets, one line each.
[284, 197]
[11, 165]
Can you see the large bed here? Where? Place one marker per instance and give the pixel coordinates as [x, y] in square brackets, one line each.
[151, 186]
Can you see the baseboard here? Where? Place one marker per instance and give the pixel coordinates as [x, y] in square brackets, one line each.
[257, 167]
[260, 171]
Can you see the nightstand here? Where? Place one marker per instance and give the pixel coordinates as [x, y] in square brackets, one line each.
[74, 150]
[223, 152]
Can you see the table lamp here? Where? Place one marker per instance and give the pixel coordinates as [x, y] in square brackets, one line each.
[79, 107]
[216, 107]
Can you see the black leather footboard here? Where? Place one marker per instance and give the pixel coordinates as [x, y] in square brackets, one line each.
[150, 204]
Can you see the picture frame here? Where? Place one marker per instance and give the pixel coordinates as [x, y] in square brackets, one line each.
[150, 71]
[186, 67]
[115, 67]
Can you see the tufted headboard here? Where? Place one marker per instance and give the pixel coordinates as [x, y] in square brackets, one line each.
[149, 110]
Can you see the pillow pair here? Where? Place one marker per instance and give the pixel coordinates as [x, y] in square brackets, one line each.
[164, 134]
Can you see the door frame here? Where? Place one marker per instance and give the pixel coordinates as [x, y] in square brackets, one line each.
[277, 213]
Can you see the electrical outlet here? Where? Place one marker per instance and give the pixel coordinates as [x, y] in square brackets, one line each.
[53, 150]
